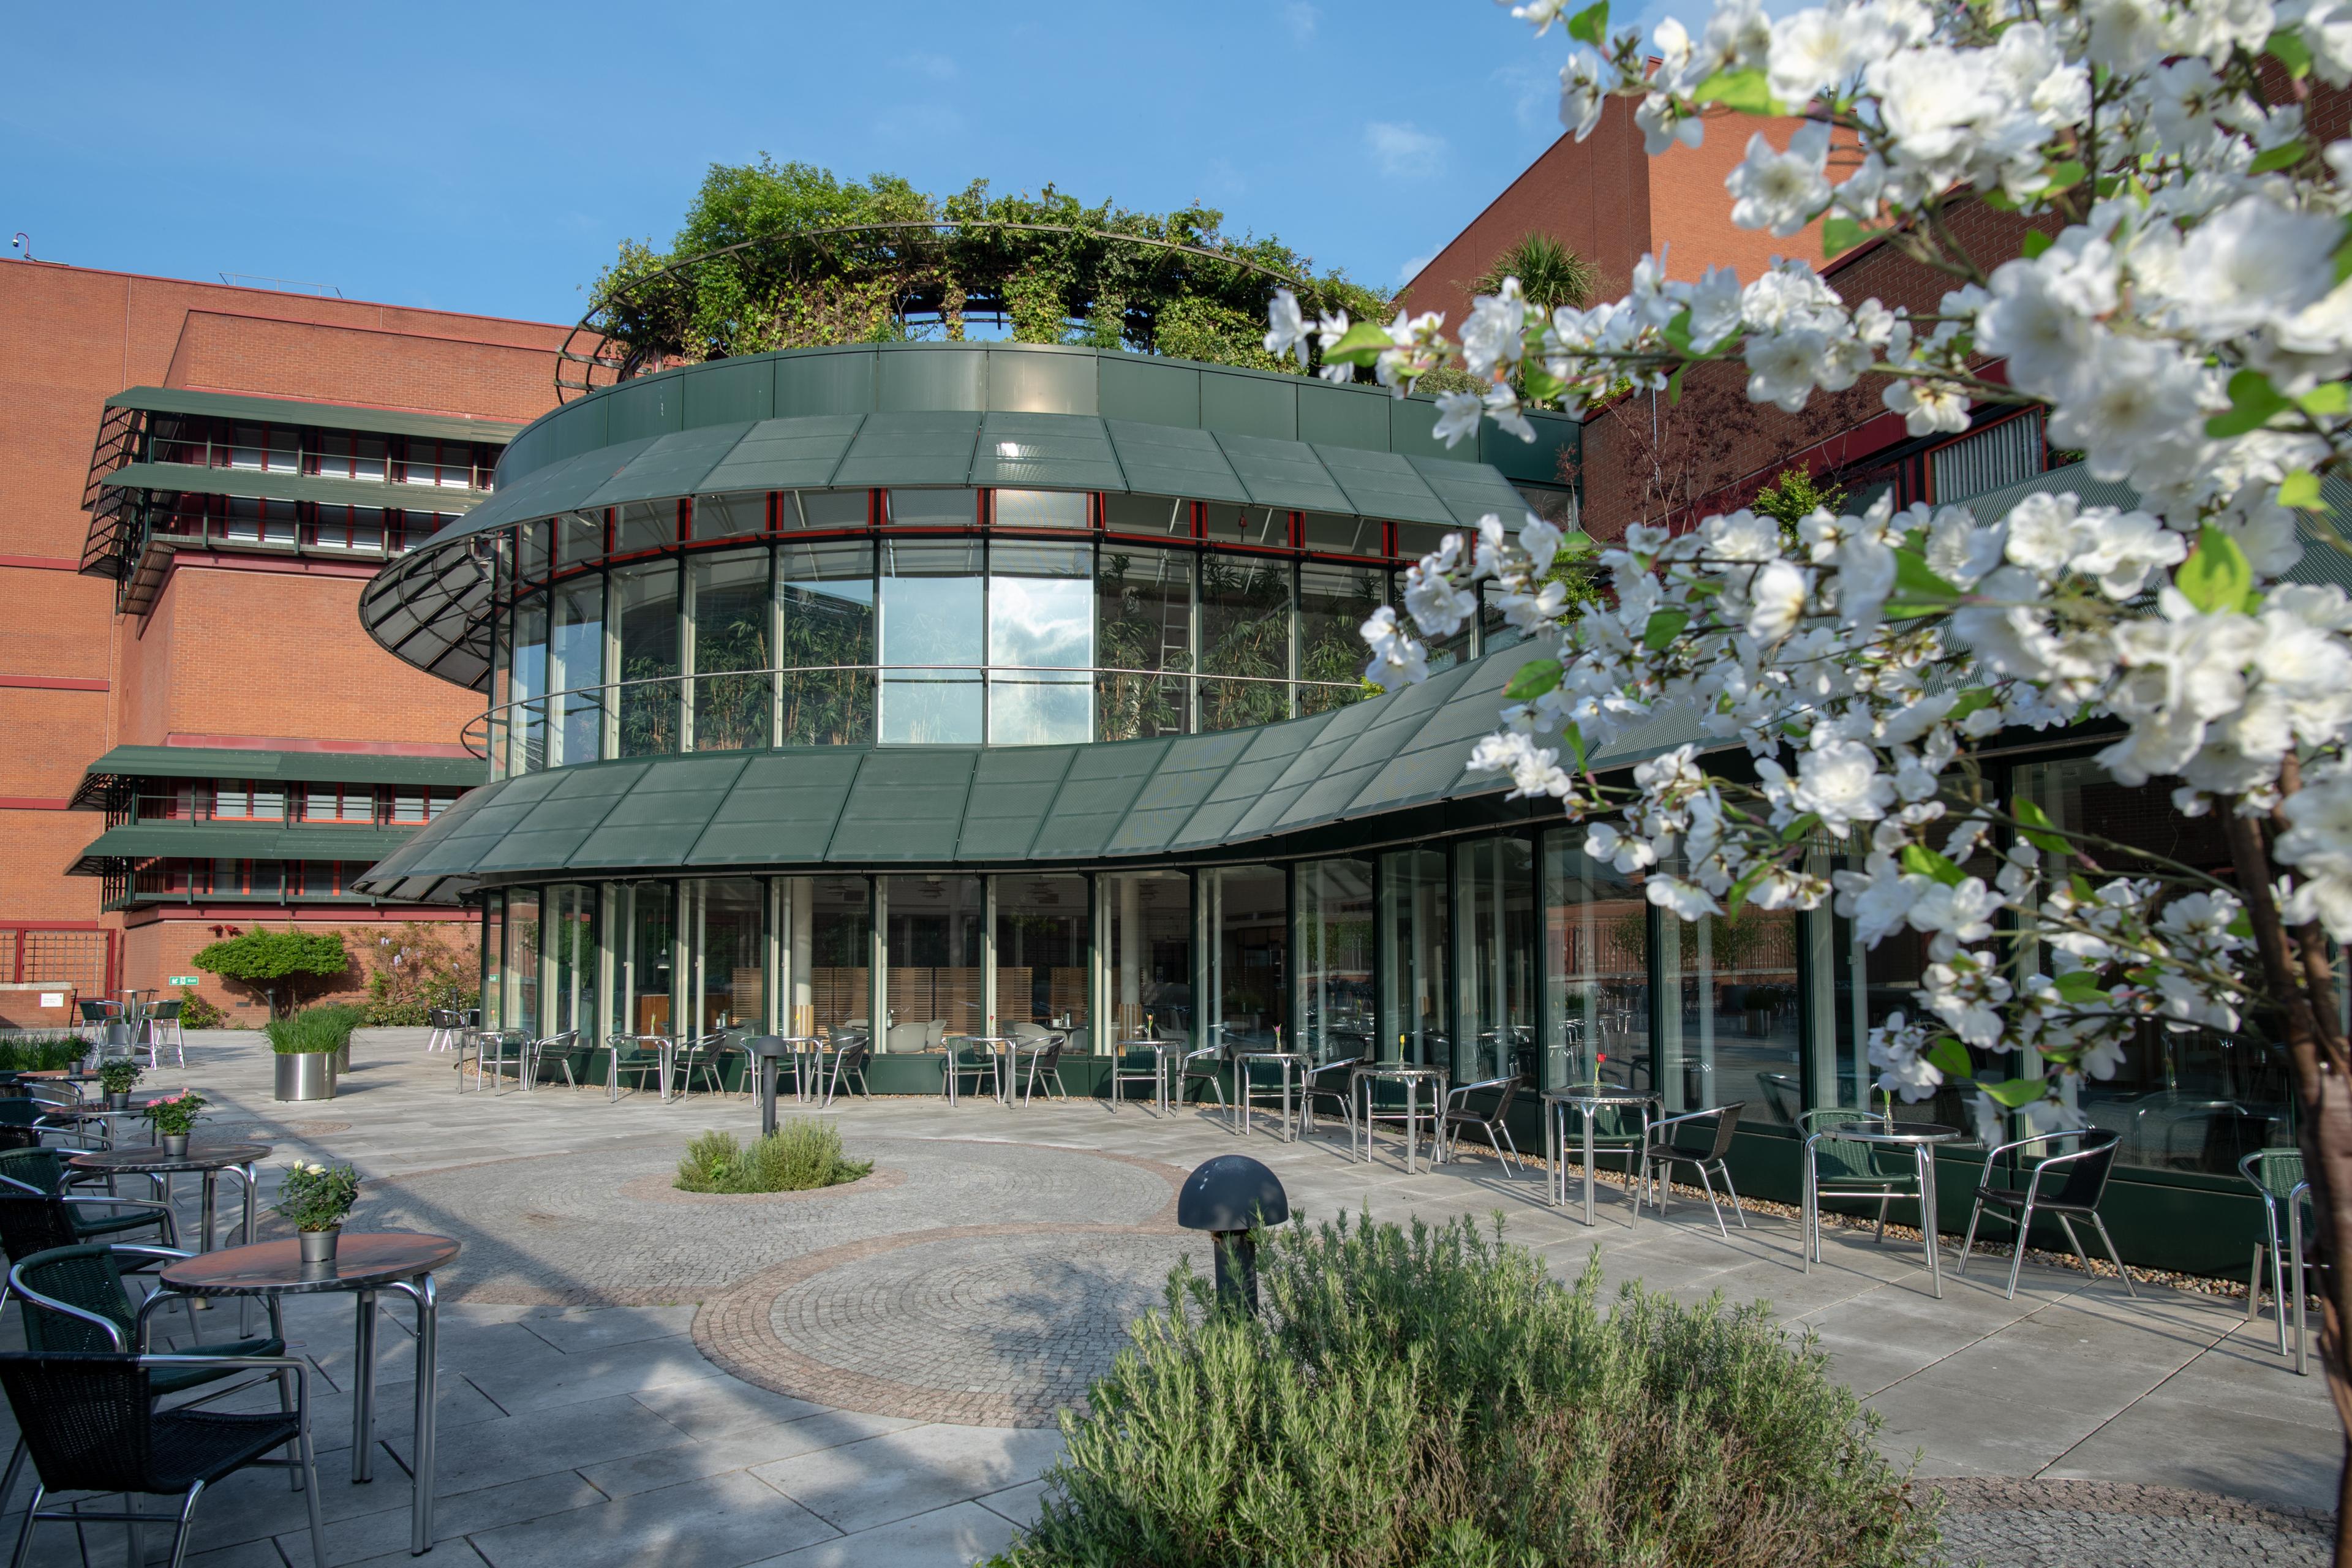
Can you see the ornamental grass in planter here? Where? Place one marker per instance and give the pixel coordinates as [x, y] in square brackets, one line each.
[1431, 1399]
[801, 1154]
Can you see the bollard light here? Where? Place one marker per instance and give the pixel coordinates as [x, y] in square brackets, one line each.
[1230, 1196]
[766, 1051]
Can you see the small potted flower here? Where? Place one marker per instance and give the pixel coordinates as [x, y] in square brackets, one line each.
[115, 1078]
[313, 1199]
[172, 1116]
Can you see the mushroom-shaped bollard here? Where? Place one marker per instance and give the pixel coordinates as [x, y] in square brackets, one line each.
[1230, 1196]
[767, 1053]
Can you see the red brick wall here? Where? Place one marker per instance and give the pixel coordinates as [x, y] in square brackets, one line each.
[245, 353]
[155, 949]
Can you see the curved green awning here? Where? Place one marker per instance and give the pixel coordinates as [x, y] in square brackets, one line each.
[137, 841]
[819, 808]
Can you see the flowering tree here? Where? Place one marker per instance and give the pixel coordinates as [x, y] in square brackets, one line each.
[2181, 311]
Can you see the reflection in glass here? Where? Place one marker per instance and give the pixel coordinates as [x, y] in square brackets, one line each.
[1413, 993]
[725, 923]
[1249, 925]
[499, 719]
[522, 1008]
[1334, 602]
[644, 525]
[934, 958]
[645, 605]
[1728, 1030]
[729, 516]
[826, 597]
[1495, 900]
[931, 615]
[1244, 631]
[1041, 618]
[1149, 961]
[1596, 969]
[1143, 621]
[644, 929]
[1334, 1010]
[828, 926]
[1041, 509]
[934, 508]
[1161, 516]
[494, 961]
[826, 509]
[1041, 951]
[527, 685]
[729, 625]
[575, 667]
[569, 992]
[580, 539]
[1337, 534]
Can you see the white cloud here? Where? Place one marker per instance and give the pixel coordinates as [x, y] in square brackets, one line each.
[1413, 266]
[939, 68]
[1301, 17]
[1533, 93]
[1403, 149]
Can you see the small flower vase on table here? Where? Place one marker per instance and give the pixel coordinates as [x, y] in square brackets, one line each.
[173, 1117]
[318, 1245]
[176, 1144]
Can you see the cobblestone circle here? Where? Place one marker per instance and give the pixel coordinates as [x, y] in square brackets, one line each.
[2004, 1523]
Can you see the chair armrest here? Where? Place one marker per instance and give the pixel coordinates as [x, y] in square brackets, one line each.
[1216, 1051]
[1692, 1116]
[1482, 1083]
[161, 1208]
[105, 1325]
[295, 1365]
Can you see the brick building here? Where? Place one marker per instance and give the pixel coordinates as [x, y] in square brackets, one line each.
[201, 479]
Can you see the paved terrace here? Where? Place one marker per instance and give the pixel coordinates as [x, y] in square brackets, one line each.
[868, 1375]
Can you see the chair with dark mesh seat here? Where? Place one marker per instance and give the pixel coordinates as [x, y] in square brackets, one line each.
[1701, 1140]
[555, 1050]
[1037, 1059]
[38, 1211]
[849, 1061]
[91, 1425]
[1494, 1121]
[1839, 1167]
[638, 1053]
[1329, 1082]
[162, 1031]
[2079, 1179]
[1205, 1066]
[2277, 1175]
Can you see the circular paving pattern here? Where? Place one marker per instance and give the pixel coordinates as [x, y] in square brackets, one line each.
[2007, 1523]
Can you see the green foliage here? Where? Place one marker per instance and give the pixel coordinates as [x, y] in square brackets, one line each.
[795, 286]
[315, 1196]
[196, 1013]
[1431, 1397]
[41, 1053]
[802, 1154]
[314, 1029]
[175, 1114]
[1793, 496]
[1551, 275]
[414, 970]
[272, 962]
[117, 1077]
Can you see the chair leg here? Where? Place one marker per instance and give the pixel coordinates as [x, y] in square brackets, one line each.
[2278, 1283]
[1967, 1244]
[2113, 1257]
[2024, 1223]
[310, 1491]
[2253, 1289]
[180, 1528]
[1881, 1218]
[1723, 1169]
[1809, 1219]
[1708, 1185]
[1518, 1165]
[25, 1536]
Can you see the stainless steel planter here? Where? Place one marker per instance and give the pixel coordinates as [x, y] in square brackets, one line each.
[309, 1075]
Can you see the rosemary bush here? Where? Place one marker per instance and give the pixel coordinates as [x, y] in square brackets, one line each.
[801, 1154]
[1431, 1399]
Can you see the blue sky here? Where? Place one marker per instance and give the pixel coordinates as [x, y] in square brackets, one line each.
[488, 157]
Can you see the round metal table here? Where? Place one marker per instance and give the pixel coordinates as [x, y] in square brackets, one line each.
[1558, 1103]
[366, 1263]
[1158, 1049]
[1412, 1077]
[1293, 1065]
[996, 1046]
[1921, 1138]
[207, 1160]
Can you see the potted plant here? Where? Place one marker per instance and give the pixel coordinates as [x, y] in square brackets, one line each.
[172, 1116]
[313, 1199]
[306, 1048]
[115, 1078]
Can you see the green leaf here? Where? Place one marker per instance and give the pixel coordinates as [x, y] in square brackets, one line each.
[2079, 985]
[2080, 886]
[1998, 199]
[1740, 888]
[2064, 176]
[2289, 50]
[1918, 591]
[1801, 827]
[1744, 90]
[2342, 258]
[1664, 627]
[1674, 386]
[2039, 830]
[1840, 234]
[1575, 739]
[2301, 488]
[1362, 345]
[1950, 1056]
[1538, 385]
[1972, 701]
[1590, 25]
[2034, 243]
[2016, 1091]
[1532, 680]
[2215, 576]
[2334, 397]
[2253, 401]
[1677, 331]
[1575, 542]
[1918, 857]
[2285, 155]
[2242, 928]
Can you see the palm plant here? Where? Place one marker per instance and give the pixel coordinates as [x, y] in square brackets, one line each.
[1551, 275]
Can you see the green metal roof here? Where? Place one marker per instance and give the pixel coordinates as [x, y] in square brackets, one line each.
[231, 841]
[289, 487]
[309, 767]
[321, 415]
[832, 806]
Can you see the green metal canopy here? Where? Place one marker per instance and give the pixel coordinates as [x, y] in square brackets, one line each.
[304, 767]
[321, 415]
[139, 841]
[829, 806]
[192, 479]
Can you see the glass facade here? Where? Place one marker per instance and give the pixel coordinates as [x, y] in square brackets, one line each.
[1335, 1015]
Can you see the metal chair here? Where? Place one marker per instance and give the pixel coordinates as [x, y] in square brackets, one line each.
[73, 1300]
[1123, 1070]
[1457, 1114]
[1666, 1152]
[37, 1214]
[1840, 1167]
[2086, 1173]
[91, 1425]
[1204, 1066]
[970, 1061]
[2277, 1176]
[849, 1058]
[638, 1053]
[163, 1029]
[561, 1047]
[1043, 1054]
[495, 1050]
[1328, 1081]
[445, 1029]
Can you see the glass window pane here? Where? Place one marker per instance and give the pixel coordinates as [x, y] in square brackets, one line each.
[1335, 534]
[579, 539]
[646, 525]
[931, 643]
[1042, 508]
[1143, 623]
[933, 509]
[526, 687]
[575, 668]
[731, 710]
[493, 958]
[1149, 964]
[1495, 902]
[644, 930]
[1245, 632]
[830, 509]
[1415, 539]
[1249, 920]
[1161, 515]
[537, 549]
[570, 946]
[645, 604]
[1596, 969]
[1334, 959]
[1728, 1030]
[1415, 997]
[1225, 523]
[825, 594]
[731, 516]
[1041, 620]
[934, 957]
[1334, 602]
[522, 959]
[725, 924]
[829, 921]
[1041, 953]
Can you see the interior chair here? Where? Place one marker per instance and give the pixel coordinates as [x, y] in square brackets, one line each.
[1494, 1121]
[1837, 1167]
[907, 1038]
[1701, 1140]
[2076, 1181]
[2277, 1176]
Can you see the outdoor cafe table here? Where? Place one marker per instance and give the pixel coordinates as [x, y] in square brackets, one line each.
[1158, 1049]
[1587, 1103]
[208, 1160]
[1412, 1077]
[1292, 1064]
[365, 1262]
[992, 1045]
[1921, 1138]
[801, 1048]
[664, 1047]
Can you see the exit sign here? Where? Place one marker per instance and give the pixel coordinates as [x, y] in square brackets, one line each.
[182, 980]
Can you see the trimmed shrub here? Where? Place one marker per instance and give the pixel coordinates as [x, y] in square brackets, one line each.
[1431, 1399]
[802, 1154]
[196, 1013]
